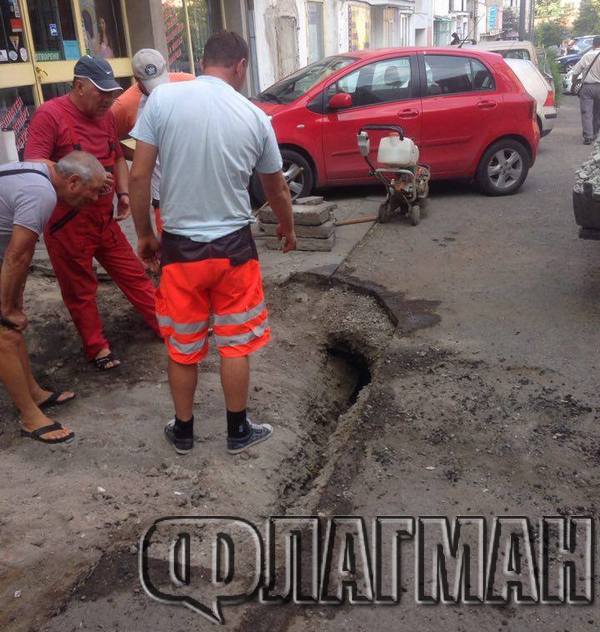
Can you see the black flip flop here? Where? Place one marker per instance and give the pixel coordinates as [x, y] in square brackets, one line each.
[54, 400]
[101, 363]
[37, 435]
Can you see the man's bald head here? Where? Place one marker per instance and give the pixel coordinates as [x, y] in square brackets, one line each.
[82, 164]
[80, 179]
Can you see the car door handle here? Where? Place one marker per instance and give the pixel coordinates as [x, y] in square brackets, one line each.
[408, 113]
[486, 104]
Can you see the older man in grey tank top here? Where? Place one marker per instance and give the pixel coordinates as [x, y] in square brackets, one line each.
[28, 195]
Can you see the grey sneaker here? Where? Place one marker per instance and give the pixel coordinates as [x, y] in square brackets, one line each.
[257, 434]
[181, 445]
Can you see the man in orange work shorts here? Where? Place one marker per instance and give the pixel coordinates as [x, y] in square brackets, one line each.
[210, 139]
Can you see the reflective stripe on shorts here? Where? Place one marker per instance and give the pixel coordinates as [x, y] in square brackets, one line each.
[243, 339]
[181, 328]
[194, 295]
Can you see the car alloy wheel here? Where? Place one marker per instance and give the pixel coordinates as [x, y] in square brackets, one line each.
[505, 168]
[294, 175]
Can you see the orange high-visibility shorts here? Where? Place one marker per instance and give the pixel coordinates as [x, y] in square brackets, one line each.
[192, 292]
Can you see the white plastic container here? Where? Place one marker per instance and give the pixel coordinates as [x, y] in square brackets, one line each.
[8, 147]
[394, 152]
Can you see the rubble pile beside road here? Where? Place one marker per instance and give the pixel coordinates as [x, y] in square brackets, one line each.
[586, 196]
[589, 172]
[313, 219]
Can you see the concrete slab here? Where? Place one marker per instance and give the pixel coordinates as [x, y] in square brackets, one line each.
[309, 215]
[324, 231]
[310, 200]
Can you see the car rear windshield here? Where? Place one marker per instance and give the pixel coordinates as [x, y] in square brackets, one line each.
[298, 84]
[515, 53]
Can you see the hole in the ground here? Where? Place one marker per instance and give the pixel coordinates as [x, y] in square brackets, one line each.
[355, 365]
[346, 372]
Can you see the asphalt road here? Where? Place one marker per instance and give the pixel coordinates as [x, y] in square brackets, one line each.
[511, 275]
[469, 415]
[484, 402]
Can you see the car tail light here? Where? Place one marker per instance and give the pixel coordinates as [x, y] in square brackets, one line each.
[549, 102]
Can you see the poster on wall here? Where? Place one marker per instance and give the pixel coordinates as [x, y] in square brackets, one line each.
[16, 118]
[175, 31]
[100, 28]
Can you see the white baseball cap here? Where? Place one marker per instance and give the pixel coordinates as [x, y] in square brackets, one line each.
[150, 67]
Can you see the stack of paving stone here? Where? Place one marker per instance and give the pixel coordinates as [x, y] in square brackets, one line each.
[313, 219]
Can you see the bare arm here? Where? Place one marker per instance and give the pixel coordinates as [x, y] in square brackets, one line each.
[278, 195]
[13, 275]
[140, 182]
[121, 173]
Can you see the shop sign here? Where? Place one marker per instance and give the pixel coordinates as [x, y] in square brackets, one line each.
[492, 14]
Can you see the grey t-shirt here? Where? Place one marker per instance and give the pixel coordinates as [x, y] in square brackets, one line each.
[26, 199]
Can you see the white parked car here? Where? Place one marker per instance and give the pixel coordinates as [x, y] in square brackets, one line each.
[540, 89]
[511, 49]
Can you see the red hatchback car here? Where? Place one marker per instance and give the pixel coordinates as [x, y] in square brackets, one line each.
[465, 109]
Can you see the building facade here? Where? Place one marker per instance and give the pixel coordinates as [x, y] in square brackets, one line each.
[40, 40]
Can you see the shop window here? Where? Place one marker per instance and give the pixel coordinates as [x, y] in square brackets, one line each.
[16, 108]
[360, 26]
[441, 33]
[54, 37]
[103, 28]
[316, 46]
[12, 36]
[205, 19]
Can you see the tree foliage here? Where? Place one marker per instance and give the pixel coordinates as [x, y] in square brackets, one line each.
[510, 20]
[551, 33]
[588, 18]
[550, 10]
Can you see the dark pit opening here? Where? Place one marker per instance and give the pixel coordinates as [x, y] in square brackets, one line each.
[356, 368]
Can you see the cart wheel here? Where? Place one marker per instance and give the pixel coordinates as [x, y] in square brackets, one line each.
[386, 210]
[415, 214]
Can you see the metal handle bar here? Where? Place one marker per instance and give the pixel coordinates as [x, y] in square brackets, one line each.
[392, 128]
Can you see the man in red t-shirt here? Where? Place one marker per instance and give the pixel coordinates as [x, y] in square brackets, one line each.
[82, 120]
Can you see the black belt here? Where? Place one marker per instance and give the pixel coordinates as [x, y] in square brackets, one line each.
[238, 247]
[155, 203]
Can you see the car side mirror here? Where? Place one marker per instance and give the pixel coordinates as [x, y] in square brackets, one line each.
[340, 101]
